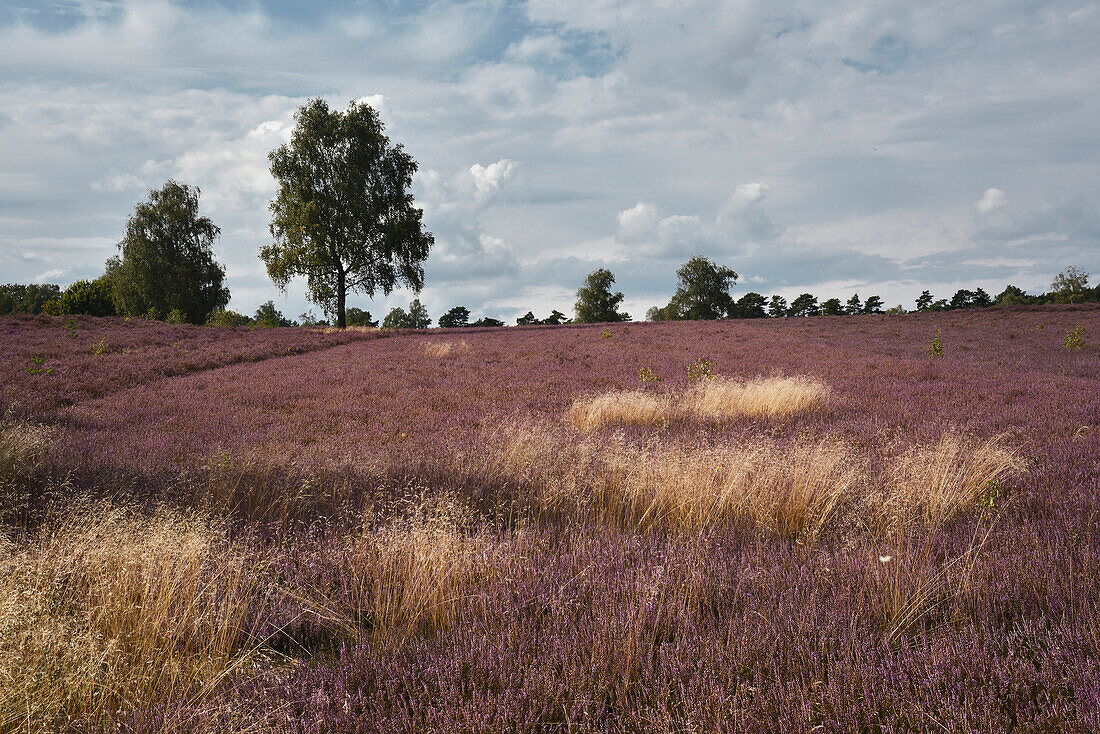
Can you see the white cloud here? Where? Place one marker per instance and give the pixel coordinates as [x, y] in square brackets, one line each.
[638, 222]
[49, 275]
[991, 199]
[750, 193]
[869, 123]
[488, 179]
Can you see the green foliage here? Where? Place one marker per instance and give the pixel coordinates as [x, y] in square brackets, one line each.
[777, 307]
[1074, 339]
[752, 305]
[397, 318]
[88, 297]
[457, 317]
[167, 259]
[343, 216]
[418, 315]
[606, 334]
[16, 298]
[100, 348]
[872, 305]
[269, 317]
[1012, 296]
[415, 318]
[659, 313]
[555, 318]
[853, 306]
[359, 317]
[228, 319]
[310, 319]
[487, 321]
[964, 298]
[1070, 286]
[924, 301]
[832, 307]
[647, 376]
[703, 369]
[527, 319]
[989, 497]
[703, 291]
[935, 349]
[804, 305]
[37, 360]
[175, 316]
[595, 301]
[897, 310]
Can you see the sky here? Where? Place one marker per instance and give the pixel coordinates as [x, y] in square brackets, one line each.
[851, 146]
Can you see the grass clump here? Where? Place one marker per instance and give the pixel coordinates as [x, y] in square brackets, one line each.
[791, 489]
[409, 576]
[932, 483]
[772, 397]
[104, 611]
[708, 399]
[439, 350]
[22, 445]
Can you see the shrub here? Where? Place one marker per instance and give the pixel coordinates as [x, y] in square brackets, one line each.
[1074, 339]
[89, 297]
[226, 318]
[935, 349]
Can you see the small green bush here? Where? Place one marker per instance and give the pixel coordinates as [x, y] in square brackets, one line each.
[1074, 339]
[935, 349]
[703, 369]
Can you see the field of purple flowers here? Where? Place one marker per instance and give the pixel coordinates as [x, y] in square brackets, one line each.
[288, 530]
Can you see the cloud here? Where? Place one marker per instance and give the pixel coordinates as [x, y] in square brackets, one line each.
[991, 199]
[638, 222]
[805, 145]
[49, 275]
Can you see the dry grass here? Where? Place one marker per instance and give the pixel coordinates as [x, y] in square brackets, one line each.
[934, 483]
[713, 400]
[791, 489]
[438, 350]
[770, 397]
[21, 445]
[414, 574]
[105, 611]
[911, 587]
[621, 407]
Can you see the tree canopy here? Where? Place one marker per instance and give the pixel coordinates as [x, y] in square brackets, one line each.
[703, 291]
[167, 260]
[804, 305]
[415, 318]
[457, 317]
[595, 301]
[343, 216]
[1070, 286]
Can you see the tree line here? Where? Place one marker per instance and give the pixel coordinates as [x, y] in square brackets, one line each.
[343, 218]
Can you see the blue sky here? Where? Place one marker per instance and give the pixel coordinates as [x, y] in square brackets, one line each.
[823, 147]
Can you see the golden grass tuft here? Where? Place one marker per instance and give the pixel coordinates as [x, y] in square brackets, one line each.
[438, 350]
[414, 574]
[791, 489]
[618, 408]
[105, 610]
[935, 482]
[714, 400]
[22, 444]
[771, 397]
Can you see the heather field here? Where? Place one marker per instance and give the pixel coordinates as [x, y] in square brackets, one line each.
[802, 524]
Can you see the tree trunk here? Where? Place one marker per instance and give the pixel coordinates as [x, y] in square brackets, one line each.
[341, 298]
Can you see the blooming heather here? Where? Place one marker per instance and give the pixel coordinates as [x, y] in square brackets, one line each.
[324, 456]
